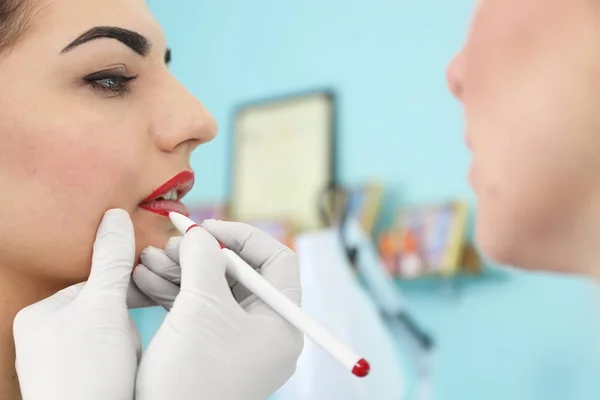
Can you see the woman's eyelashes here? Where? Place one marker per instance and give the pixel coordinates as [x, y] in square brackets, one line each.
[113, 82]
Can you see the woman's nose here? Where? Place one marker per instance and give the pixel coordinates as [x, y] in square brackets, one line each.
[182, 121]
[454, 76]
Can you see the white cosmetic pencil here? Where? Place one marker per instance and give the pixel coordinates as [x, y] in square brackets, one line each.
[253, 281]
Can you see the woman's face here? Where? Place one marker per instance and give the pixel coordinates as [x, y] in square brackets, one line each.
[79, 137]
[529, 80]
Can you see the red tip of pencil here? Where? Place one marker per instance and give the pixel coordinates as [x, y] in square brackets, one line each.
[191, 227]
[362, 368]
[222, 245]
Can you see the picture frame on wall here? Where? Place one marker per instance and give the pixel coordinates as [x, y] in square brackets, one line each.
[283, 158]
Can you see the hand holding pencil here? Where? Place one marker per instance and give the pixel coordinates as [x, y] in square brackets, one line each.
[262, 308]
[209, 334]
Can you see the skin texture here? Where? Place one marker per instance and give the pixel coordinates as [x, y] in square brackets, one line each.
[70, 150]
[528, 80]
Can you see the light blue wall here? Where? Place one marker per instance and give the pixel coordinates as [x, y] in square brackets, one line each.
[508, 336]
[386, 59]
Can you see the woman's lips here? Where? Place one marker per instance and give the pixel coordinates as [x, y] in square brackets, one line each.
[182, 182]
[168, 196]
[164, 207]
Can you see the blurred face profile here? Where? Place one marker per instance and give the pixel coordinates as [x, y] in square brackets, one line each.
[528, 78]
[90, 119]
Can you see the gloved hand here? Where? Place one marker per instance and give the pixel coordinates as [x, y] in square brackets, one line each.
[211, 347]
[156, 280]
[80, 343]
[160, 286]
[138, 299]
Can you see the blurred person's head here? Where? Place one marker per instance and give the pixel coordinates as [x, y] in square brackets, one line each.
[90, 119]
[528, 78]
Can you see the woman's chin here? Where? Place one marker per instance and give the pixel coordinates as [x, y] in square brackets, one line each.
[152, 235]
[496, 244]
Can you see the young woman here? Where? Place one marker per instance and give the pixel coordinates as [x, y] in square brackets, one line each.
[91, 120]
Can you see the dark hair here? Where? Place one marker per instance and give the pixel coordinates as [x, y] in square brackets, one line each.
[14, 21]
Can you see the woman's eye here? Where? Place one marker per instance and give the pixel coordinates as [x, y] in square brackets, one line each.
[114, 82]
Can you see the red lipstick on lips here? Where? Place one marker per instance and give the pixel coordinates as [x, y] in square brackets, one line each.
[167, 198]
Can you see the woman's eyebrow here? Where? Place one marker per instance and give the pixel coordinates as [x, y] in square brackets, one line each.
[135, 41]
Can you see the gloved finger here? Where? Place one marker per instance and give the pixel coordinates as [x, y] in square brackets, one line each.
[172, 248]
[157, 261]
[47, 306]
[277, 263]
[240, 292]
[160, 290]
[136, 298]
[166, 264]
[203, 266]
[113, 257]
[172, 251]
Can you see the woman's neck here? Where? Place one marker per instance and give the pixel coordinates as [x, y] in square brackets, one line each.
[16, 293]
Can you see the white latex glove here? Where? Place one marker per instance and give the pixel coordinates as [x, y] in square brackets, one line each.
[80, 343]
[136, 298]
[158, 276]
[157, 279]
[211, 347]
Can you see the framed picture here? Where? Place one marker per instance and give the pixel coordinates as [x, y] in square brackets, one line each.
[283, 159]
